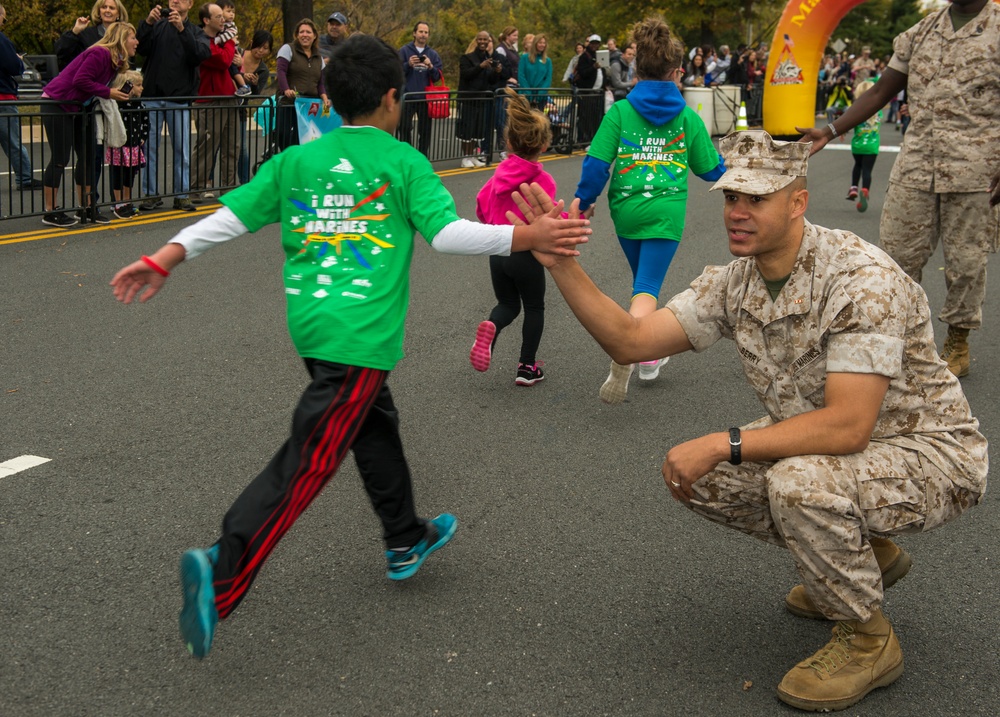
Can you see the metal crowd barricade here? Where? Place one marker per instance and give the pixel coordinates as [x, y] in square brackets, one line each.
[223, 124]
[430, 121]
[225, 127]
[21, 120]
[570, 111]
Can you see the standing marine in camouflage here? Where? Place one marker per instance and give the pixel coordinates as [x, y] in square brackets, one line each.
[941, 183]
[868, 434]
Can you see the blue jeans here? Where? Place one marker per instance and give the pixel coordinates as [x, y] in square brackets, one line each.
[10, 140]
[177, 115]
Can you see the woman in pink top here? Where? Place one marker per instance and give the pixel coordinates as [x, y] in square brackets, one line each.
[517, 279]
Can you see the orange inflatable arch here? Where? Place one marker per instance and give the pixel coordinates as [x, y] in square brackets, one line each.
[793, 64]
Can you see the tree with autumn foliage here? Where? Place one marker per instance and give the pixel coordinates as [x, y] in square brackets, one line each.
[33, 25]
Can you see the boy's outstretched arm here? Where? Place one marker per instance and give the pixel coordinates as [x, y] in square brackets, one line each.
[150, 272]
[624, 338]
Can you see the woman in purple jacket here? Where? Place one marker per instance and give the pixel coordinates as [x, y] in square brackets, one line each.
[68, 128]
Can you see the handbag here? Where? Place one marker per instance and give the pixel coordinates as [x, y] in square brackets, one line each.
[437, 100]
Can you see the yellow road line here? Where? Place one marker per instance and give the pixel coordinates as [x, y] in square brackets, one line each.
[49, 233]
[168, 215]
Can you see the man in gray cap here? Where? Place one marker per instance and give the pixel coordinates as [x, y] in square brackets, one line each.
[336, 31]
[867, 432]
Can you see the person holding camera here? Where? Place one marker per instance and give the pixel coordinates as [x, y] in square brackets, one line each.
[68, 130]
[421, 68]
[87, 30]
[478, 76]
[173, 48]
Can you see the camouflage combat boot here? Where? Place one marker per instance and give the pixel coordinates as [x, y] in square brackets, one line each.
[956, 351]
[858, 658]
[893, 561]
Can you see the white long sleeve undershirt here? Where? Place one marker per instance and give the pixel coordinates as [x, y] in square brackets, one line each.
[458, 237]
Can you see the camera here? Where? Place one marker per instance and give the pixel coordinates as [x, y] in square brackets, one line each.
[127, 87]
[421, 58]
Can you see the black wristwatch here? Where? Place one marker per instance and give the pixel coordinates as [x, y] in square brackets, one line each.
[735, 446]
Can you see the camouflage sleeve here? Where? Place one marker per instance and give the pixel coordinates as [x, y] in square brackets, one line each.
[702, 309]
[866, 325]
[902, 48]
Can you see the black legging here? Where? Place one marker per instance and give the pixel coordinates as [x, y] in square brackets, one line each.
[67, 132]
[519, 278]
[863, 164]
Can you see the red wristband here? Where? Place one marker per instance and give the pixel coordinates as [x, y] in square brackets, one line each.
[154, 266]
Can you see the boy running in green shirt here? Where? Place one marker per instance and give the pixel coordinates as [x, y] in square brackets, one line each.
[348, 205]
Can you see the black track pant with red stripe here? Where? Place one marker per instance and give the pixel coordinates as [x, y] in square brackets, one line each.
[344, 407]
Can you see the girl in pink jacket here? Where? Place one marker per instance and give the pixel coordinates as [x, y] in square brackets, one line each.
[517, 279]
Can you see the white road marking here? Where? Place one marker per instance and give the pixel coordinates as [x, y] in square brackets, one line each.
[16, 465]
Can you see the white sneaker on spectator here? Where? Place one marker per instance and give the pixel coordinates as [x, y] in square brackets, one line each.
[468, 162]
[479, 160]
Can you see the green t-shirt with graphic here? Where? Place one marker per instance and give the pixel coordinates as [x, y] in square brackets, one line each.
[650, 164]
[349, 204]
[866, 137]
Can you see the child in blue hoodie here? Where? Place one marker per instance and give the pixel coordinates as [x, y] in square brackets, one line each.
[652, 140]
[519, 278]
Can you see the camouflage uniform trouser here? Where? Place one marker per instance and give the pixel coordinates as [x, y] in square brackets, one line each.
[824, 508]
[914, 221]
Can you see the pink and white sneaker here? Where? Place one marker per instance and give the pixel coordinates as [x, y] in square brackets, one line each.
[649, 370]
[482, 349]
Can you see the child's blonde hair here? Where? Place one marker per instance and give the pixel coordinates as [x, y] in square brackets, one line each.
[122, 77]
[528, 132]
[863, 87]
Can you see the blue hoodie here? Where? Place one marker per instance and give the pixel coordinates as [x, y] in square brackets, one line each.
[656, 112]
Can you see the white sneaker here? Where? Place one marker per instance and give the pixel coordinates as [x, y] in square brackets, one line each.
[648, 370]
[503, 156]
[480, 162]
[615, 388]
[468, 162]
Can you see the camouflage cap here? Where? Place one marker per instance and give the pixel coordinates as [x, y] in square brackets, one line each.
[758, 164]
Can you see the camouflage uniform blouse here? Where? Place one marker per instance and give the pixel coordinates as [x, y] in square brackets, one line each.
[953, 89]
[846, 308]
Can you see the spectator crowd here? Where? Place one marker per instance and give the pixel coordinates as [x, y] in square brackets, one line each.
[196, 71]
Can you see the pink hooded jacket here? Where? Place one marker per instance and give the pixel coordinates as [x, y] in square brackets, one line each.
[493, 200]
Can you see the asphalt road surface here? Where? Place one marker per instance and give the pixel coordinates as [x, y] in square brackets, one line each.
[575, 584]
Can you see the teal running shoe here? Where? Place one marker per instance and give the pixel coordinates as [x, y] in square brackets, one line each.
[439, 532]
[198, 615]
